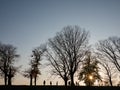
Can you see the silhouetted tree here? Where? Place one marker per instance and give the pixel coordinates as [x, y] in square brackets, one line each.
[110, 49]
[59, 66]
[7, 59]
[34, 71]
[109, 71]
[108, 68]
[69, 46]
[89, 72]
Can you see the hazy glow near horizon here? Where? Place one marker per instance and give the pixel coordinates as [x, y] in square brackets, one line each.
[28, 23]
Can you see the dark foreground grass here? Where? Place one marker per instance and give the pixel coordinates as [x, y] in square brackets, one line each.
[57, 88]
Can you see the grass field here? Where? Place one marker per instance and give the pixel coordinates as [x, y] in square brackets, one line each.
[57, 88]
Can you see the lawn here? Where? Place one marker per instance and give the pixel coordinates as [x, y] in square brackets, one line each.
[58, 88]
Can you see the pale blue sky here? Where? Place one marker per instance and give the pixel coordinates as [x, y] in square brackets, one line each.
[28, 23]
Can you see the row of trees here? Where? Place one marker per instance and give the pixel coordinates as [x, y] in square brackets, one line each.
[68, 52]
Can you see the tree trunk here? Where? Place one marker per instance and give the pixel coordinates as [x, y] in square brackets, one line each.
[5, 79]
[5, 73]
[9, 77]
[89, 84]
[65, 81]
[110, 82]
[30, 80]
[72, 79]
[9, 80]
[35, 79]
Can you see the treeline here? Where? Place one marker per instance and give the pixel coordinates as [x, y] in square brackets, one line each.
[68, 52]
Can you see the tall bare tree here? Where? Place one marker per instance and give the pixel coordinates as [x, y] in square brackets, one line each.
[34, 71]
[7, 59]
[69, 46]
[110, 49]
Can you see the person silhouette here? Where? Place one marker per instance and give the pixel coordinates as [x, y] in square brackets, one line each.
[44, 82]
[50, 82]
[69, 83]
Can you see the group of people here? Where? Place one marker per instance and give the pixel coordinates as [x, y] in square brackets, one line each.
[69, 83]
[44, 82]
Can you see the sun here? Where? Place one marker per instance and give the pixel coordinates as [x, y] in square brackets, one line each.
[90, 77]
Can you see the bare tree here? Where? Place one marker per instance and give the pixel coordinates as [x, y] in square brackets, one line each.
[34, 71]
[59, 66]
[7, 59]
[69, 46]
[107, 68]
[110, 48]
[110, 72]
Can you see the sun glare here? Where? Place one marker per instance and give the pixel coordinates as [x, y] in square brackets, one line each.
[90, 77]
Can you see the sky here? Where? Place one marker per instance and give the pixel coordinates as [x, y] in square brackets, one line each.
[28, 23]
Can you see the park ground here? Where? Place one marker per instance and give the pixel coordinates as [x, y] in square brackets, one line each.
[58, 88]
